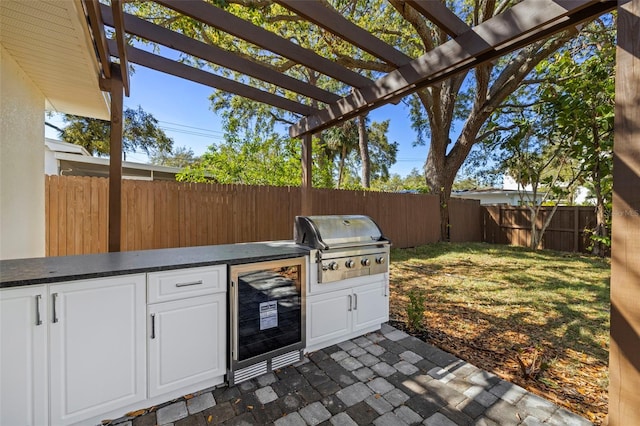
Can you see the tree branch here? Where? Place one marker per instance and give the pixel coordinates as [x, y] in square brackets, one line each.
[494, 131]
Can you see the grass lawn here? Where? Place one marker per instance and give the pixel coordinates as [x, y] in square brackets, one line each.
[538, 319]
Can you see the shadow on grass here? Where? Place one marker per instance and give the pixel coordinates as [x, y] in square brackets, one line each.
[500, 301]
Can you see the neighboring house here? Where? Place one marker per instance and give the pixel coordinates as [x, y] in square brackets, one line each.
[487, 196]
[67, 159]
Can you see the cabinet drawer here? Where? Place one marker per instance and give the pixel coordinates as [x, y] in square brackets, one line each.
[181, 283]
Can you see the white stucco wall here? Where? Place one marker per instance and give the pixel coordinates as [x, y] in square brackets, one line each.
[22, 219]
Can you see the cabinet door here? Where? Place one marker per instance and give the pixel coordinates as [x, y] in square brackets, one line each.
[97, 343]
[329, 316]
[187, 342]
[371, 306]
[23, 356]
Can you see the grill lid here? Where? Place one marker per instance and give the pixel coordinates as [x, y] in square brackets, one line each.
[325, 232]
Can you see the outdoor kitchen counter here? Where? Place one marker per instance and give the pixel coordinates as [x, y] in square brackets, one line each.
[44, 270]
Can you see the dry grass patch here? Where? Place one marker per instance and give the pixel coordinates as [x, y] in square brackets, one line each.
[538, 319]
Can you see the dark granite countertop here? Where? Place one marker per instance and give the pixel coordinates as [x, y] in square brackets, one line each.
[43, 270]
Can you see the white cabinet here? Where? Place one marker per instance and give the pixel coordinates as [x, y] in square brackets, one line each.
[97, 346]
[371, 306]
[23, 356]
[328, 316]
[335, 316]
[187, 330]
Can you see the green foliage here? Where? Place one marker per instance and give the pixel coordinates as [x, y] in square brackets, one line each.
[178, 157]
[415, 309]
[140, 132]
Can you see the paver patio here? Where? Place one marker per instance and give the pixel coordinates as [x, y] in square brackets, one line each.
[385, 378]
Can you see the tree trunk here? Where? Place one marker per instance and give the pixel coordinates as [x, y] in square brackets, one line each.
[343, 154]
[363, 143]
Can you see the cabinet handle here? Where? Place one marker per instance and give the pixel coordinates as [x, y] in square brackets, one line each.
[38, 318]
[355, 302]
[153, 326]
[199, 282]
[350, 303]
[54, 299]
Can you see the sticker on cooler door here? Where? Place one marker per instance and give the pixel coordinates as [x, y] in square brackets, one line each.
[268, 315]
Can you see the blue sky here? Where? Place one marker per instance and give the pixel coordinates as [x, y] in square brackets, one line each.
[182, 108]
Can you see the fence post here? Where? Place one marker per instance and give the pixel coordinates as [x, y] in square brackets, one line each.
[576, 229]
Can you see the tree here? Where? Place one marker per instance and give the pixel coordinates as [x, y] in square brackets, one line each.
[559, 125]
[579, 92]
[140, 132]
[178, 157]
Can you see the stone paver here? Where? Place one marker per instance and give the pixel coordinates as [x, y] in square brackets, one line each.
[350, 364]
[378, 403]
[396, 397]
[405, 368]
[407, 415]
[389, 419]
[385, 378]
[383, 369]
[410, 357]
[353, 394]
[267, 379]
[293, 419]
[171, 413]
[396, 335]
[364, 374]
[200, 403]
[342, 419]
[380, 385]
[266, 395]
[439, 419]
[315, 413]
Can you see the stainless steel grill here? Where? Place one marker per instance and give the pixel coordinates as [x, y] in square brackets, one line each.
[346, 246]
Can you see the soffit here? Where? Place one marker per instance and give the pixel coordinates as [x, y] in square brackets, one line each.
[49, 40]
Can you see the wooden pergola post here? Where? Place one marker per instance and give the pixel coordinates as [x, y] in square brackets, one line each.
[115, 159]
[307, 184]
[624, 354]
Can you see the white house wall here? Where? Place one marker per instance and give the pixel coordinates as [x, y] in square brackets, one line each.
[22, 218]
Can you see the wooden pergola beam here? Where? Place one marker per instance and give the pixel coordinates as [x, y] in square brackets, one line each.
[118, 20]
[100, 39]
[216, 55]
[337, 24]
[440, 15]
[523, 24]
[624, 356]
[115, 160]
[229, 23]
[168, 66]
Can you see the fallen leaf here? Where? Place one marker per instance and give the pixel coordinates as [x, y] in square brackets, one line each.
[237, 401]
[188, 396]
[135, 413]
[377, 396]
[210, 418]
[249, 407]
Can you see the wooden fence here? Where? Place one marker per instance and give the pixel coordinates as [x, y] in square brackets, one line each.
[173, 214]
[568, 230]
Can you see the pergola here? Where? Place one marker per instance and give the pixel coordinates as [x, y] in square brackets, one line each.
[467, 47]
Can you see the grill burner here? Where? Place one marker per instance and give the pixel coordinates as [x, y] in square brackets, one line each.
[347, 246]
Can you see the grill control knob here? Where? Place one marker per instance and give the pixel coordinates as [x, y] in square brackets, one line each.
[365, 262]
[380, 260]
[350, 263]
[333, 266]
